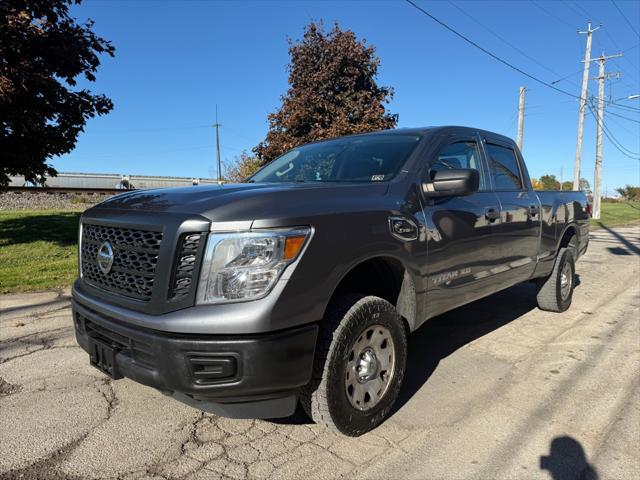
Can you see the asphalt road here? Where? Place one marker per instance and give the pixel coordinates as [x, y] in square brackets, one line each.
[496, 389]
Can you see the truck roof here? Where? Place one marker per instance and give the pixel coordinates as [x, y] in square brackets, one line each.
[436, 129]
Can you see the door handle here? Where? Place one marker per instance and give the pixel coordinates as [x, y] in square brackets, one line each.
[492, 213]
[534, 210]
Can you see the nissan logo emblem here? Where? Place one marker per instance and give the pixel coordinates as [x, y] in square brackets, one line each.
[104, 257]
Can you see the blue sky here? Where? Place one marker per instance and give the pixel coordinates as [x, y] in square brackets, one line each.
[175, 60]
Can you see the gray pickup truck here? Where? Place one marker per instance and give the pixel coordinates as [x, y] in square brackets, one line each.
[302, 284]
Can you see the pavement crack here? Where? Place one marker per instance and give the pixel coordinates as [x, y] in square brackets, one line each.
[106, 389]
[22, 338]
[45, 344]
[192, 438]
[46, 467]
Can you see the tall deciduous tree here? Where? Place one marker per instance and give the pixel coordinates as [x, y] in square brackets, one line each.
[43, 50]
[332, 92]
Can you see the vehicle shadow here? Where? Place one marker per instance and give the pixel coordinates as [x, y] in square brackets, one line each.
[441, 336]
[60, 300]
[567, 461]
[630, 247]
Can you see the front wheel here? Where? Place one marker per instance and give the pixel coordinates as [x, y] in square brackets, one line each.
[360, 365]
[555, 292]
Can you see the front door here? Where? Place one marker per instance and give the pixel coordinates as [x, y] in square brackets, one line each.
[520, 212]
[461, 246]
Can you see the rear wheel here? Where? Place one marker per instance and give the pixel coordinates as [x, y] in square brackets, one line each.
[555, 292]
[359, 367]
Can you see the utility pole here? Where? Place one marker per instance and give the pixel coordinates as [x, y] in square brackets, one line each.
[521, 117]
[583, 104]
[217, 126]
[597, 175]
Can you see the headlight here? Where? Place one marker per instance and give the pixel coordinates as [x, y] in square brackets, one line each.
[246, 265]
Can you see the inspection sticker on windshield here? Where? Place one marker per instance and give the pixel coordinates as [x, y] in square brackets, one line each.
[377, 178]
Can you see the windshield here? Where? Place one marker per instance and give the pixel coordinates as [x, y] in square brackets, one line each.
[371, 158]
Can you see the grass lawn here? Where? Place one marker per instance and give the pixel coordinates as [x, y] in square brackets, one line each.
[612, 214]
[38, 249]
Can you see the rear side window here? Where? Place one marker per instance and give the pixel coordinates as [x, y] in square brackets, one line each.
[458, 155]
[504, 168]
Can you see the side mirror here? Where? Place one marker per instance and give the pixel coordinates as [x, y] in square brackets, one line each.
[453, 183]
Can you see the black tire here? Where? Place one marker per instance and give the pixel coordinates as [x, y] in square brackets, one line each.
[325, 398]
[552, 294]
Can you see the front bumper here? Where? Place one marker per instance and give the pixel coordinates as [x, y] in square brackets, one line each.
[255, 376]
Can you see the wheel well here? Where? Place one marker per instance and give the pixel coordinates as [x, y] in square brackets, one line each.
[383, 277]
[569, 234]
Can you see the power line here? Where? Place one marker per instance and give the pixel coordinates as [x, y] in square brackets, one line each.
[621, 148]
[553, 104]
[157, 129]
[552, 15]
[624, 125]
[144, 154]
[487, 52]
[241, 135]
[590, 16]
[573, 9]
[611, 137]
[606, 32]
[505, 41]
[617, 47]
[580, 71]
[622, 116]
[624, 107]
[566, 76]
[625, 17]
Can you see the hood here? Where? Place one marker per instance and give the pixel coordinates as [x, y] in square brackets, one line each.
[249, 201]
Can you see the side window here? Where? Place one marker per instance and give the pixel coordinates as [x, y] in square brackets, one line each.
[504, 168]
[458, 155]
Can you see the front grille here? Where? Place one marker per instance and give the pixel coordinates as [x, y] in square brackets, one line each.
[134, 264]
[140, 352]
[184, 265]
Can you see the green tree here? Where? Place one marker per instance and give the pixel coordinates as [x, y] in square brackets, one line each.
[332, 92]
[42, 53]
[567, 185]
[549, 182]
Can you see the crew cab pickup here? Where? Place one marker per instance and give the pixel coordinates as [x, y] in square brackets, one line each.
[302, 284]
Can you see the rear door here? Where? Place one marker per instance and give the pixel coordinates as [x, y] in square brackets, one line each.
[519, 230]
[461, 247]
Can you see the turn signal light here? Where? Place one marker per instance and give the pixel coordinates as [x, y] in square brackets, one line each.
[292, 246]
